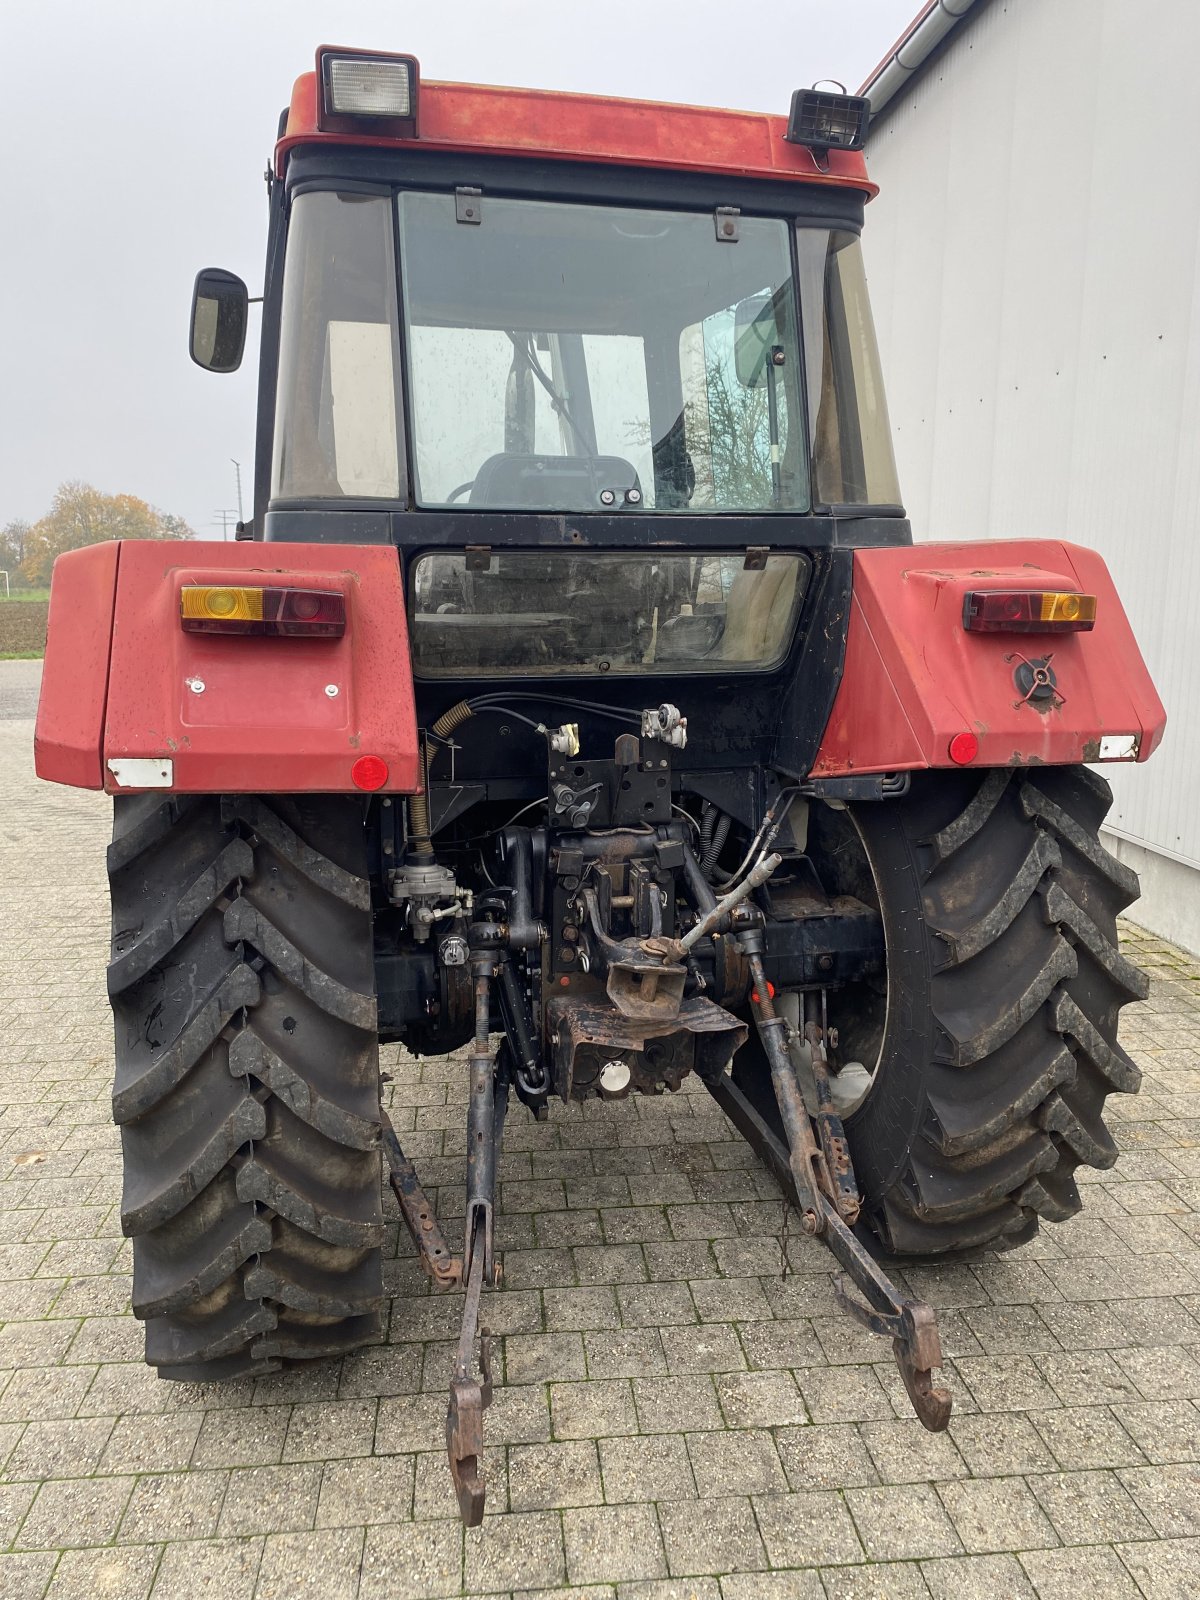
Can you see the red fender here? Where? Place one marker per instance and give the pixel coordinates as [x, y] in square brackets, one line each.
[131, 702]
[914, 677]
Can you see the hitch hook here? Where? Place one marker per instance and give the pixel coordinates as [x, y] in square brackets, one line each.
[916, 1346]
[470, 1397]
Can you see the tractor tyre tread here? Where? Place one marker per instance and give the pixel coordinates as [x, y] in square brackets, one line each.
[247, 1079]
[1010, 931]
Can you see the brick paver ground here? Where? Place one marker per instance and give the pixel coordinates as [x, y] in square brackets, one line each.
[677, 1422]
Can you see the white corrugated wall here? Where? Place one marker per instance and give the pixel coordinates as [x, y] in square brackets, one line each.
[1034, 259]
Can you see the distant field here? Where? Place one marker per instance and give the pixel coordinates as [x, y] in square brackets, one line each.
[23, 624]
[25, 594]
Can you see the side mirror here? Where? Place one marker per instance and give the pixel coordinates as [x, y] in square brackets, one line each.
[755, 335]
[220, 305]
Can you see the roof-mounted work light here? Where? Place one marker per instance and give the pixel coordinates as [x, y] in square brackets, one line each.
[825, 121]
[360, 90]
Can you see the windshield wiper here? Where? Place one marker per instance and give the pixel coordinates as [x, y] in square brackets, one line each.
[524, 348]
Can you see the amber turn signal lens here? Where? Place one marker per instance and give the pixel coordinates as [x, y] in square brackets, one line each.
[221, 605]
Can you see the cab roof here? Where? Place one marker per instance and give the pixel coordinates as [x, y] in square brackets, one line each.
[495, 121]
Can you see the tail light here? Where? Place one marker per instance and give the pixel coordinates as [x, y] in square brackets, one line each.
[250, 610]
[1028, 611]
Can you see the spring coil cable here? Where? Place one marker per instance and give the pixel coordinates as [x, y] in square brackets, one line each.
[420, 842]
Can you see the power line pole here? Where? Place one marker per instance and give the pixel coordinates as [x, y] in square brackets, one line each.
[223, 517]
[237, 467]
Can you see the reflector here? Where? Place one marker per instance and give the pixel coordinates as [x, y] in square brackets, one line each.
[251, 609]
[369, 772]
[1028, 611]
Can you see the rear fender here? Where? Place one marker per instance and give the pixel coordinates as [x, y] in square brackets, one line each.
[914, 677]
[159, 708]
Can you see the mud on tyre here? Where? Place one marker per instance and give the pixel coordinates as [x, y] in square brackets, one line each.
[996, 1041]
[247, 1079]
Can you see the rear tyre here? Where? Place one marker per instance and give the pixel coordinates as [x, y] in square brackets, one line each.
[998, 1044]
[247, 1079]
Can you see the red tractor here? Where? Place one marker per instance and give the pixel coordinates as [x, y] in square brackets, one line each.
[577, 696]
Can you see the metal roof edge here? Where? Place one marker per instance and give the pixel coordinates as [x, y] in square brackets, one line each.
[928, 29]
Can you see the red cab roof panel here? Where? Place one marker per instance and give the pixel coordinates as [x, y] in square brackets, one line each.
[585, 127]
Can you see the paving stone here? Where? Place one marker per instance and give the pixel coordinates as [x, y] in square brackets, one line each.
[760, 1399]
[225, 1440]
[125, 1572]
[656, 1305]
[976, 1578]
[730, 1300]
[669, 1405]
[15, 1500]
[996, 1514]
[1089, 1508]
[25, 1576]
[1161, 1373]
[330, 1430]
[541, 1357]
[323, 1565]
[844, 1394]
[544, 1475]
[270, 1500]
[410, 1422]
[902, 1523]
[571, 1309]
[624, 1352]
[905, 1452]
[737, 1461]
[1008, 1383]
[1095, 1571]
[43, 1394]
[592, 1410]
[802, 1530]
[173, 1505]
[74, 1513]
[832, 1457]
[650, 1467]
[151, 1444]
[724, 1539]
[613, 1544]
[1164, 1431]
[1165, 1570]
[67, 1448]
[1082, 1437]
[805, 1585]
[886, 1580]
[1168, 1497]
[997, 1444]
[788, 1342]
[523, 1548]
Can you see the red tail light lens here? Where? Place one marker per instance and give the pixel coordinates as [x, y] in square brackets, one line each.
[247, 610]
[1028, 611]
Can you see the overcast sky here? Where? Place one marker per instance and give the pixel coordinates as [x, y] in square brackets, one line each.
[135, 135]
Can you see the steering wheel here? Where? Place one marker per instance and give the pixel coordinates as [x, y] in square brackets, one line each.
[463, 488]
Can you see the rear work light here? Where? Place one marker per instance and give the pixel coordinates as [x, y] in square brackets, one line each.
[360, 90]
[1028, 611]
[281, 613]
[825, 121]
